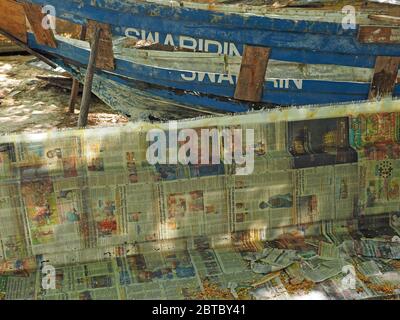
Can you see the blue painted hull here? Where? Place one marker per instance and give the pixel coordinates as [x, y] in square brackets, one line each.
[209, 93]
[293, 41]
[307, 42]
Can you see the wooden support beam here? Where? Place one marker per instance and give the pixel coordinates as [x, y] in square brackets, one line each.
[87, 89]
[75, 82]
[379, 34]
[105, 59]
[251, 78]
[43, 36]
[12, 20]
[385, 77]
[32, 52]
[74, 96]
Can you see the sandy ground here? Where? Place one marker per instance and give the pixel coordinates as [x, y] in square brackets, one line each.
[30, 104]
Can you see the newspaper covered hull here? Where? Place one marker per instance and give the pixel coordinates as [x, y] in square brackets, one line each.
[82, 199]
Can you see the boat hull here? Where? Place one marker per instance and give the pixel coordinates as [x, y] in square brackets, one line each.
[206, 92]
[227, 33]
[304, 42]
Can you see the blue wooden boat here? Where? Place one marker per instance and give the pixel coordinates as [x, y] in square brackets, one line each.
[187, 58]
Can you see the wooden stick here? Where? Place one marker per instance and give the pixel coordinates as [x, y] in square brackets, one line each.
[75, 82]
[74, 96]
[87, 89]
[25, 47]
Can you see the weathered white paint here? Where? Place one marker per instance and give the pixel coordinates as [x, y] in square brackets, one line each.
[232, 79]
[185, 42]
[213, 63]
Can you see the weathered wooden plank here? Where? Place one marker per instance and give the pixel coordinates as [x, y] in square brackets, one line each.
[12, 19]
[35, 18]
[218, 63]
[372, 34]
[68, 29]
[385, 76]
[252, 74]
[329, 12]
[105, 58]
[385, 18]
